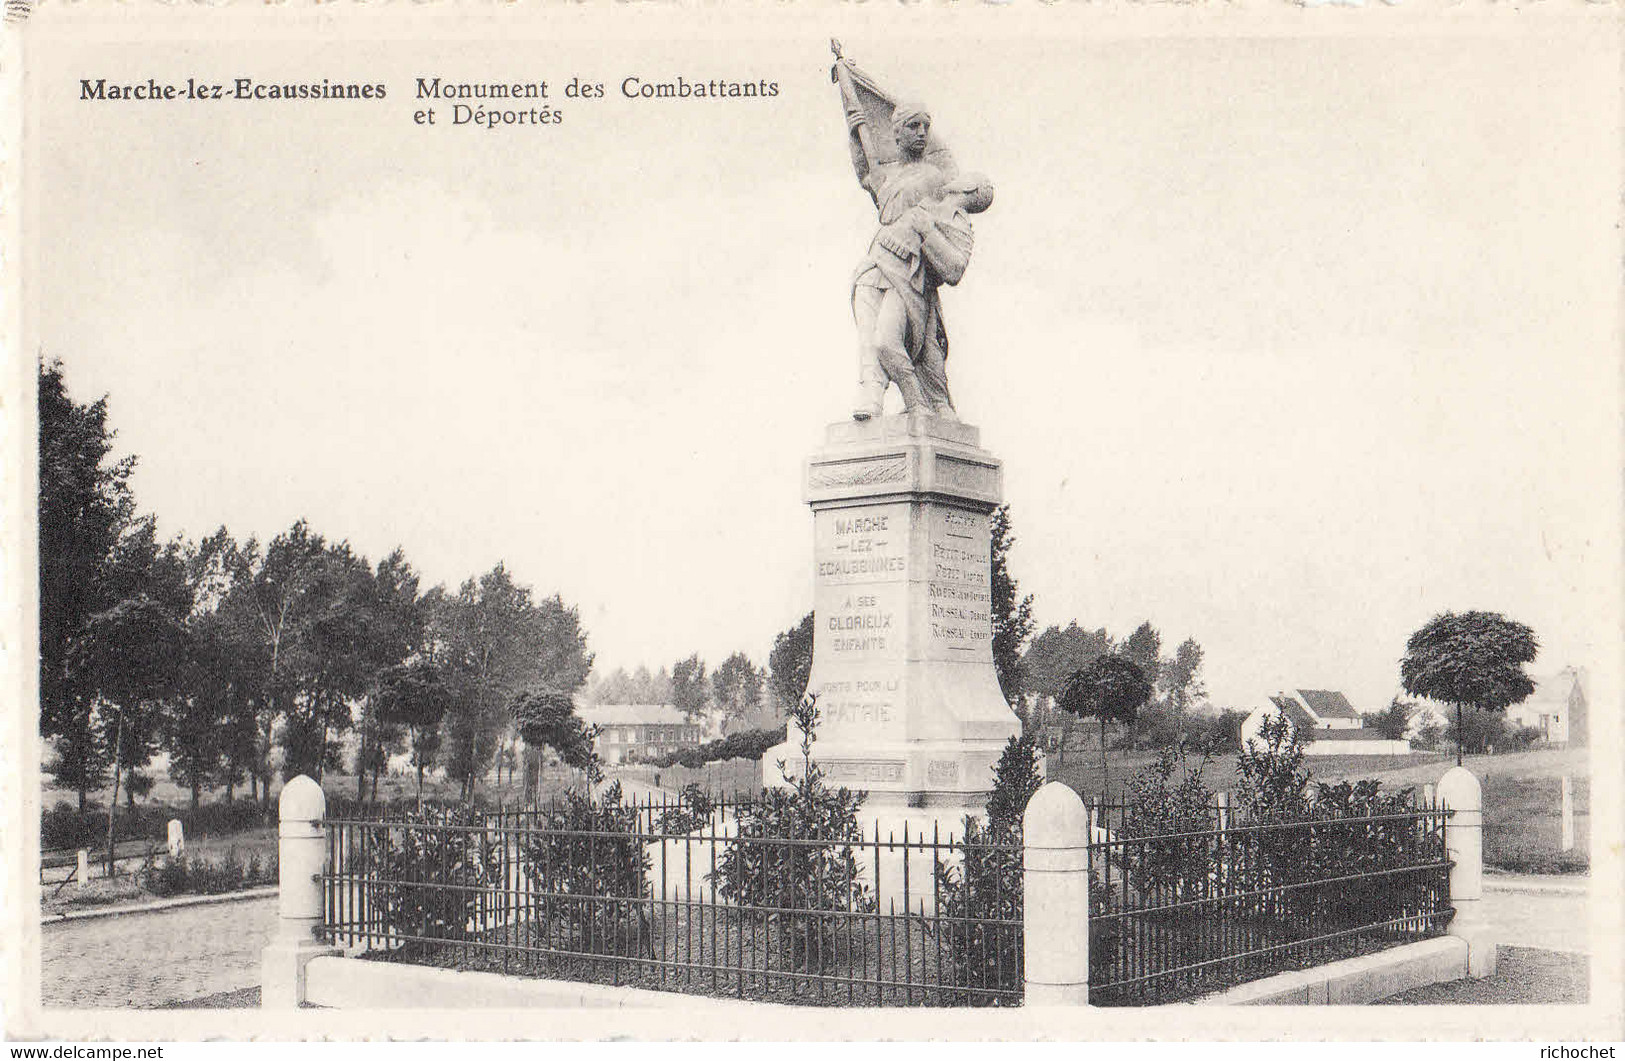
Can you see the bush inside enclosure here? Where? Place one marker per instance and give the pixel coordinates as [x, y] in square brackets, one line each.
[587, 868]
[986, 886]
[693, 811]
[412, 859]
[1166, 799]
[1302, 873]
[774, 881]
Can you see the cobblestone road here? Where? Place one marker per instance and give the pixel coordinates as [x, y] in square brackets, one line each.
[143, 960]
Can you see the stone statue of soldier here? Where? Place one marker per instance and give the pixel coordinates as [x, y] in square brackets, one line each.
[924, 241]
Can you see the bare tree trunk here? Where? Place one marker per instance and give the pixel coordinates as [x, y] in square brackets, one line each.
[112, 804]
[1105, 774]
[1460, 735]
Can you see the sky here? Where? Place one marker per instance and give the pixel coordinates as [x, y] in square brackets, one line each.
[1286, 344]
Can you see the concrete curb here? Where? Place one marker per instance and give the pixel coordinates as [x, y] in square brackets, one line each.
[1354, 981]
[355, 983]
[1536, 886]
[160, 904]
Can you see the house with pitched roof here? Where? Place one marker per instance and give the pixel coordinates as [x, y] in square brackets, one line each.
[630, 733]
[1327, 721]
[1557, 708]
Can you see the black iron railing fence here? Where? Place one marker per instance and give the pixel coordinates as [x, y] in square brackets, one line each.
[637, 894]
[668, 895]
[1178, 915]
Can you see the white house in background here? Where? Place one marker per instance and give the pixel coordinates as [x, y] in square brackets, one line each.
[1327, 719]
[1557, 707]
[1324, 708]
[633, 732]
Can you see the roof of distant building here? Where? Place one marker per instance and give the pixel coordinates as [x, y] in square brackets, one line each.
[1294, 712]
[633, 715]
[1329, 703]
[1556, 688]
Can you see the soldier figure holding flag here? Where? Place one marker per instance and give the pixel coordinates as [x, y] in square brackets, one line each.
[924, 241]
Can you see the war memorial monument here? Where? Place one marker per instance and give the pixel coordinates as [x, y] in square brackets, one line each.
[909, 701]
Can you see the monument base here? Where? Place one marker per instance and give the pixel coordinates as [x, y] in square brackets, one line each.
[898, 774]
[909, 703]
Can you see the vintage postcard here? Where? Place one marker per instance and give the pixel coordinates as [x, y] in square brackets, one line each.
[823, 521]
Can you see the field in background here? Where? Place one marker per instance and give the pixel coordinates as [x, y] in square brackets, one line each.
[1521, 790]
[1522, 793]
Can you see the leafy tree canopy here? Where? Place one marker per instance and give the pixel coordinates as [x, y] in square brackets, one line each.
[1056, 654]
[1474, 658]
[736, 685]
[789, 664]
[1012, 613]
[1110, 688]
[690, 692]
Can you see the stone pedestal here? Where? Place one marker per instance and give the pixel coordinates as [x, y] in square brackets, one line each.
[909, 702]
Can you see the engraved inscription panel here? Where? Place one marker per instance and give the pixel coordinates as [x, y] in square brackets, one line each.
[958, 596]
[860, 600]
[862, 771]
[941, 772]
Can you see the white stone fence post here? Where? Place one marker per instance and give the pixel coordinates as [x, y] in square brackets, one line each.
[1566, 835]
[302, 854]
[1055, 898]
[1464, 843]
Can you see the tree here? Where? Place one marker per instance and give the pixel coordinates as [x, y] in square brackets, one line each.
[394, 631]
[1143, 648]
[220, 684]
[1012, 614]
[736, 686]
[1052, 658]
[331, 656]
[1392, 721]
[1182, 676]
[412, 695]
[148, 579]
[132, 655]
[547, 718]
[85, 506]
[1111, 688]
[493, 641]
[271, 600]
[1056, 654]
[1470, 659]
[194, 728]
[789, 664]
[690, 692]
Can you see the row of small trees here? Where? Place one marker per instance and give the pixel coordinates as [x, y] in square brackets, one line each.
[737, 687]
[223, 653]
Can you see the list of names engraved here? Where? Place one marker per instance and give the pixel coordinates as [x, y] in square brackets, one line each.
[957, 589]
